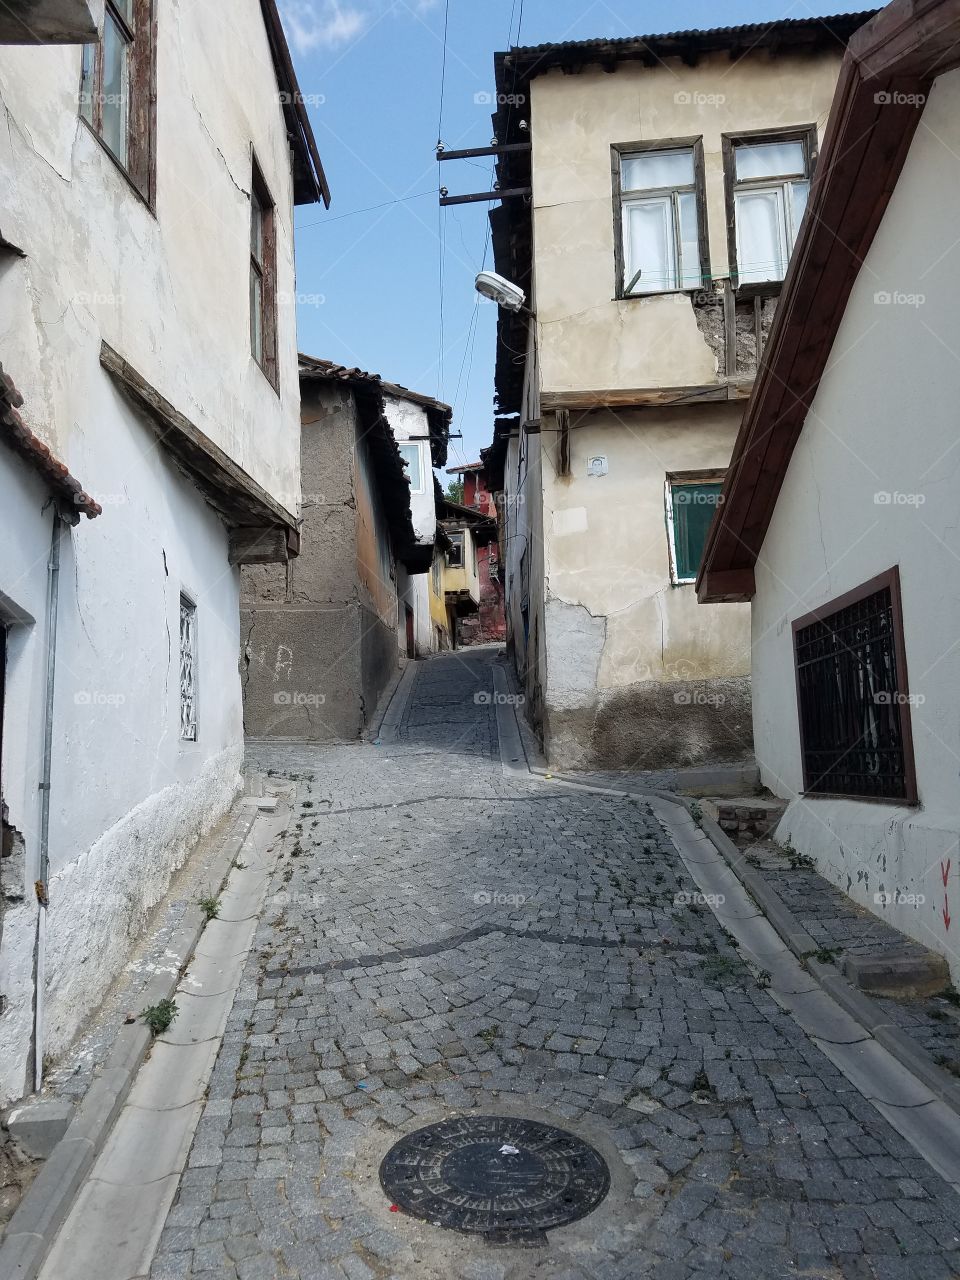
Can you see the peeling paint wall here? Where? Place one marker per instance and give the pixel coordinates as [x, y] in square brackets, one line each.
[623, 668]
[588, 338]
[168, 289]
[872, 484]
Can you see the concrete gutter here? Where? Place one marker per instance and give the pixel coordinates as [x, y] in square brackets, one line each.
[43, 1210]
[393, 704]
[918, 1098]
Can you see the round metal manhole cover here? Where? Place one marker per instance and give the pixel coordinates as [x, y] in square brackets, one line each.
[504, 1178]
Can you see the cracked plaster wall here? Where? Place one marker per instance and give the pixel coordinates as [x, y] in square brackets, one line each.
[170, 292]
[638, 673]
[872, 484]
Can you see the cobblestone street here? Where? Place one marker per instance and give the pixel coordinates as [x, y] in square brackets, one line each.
[437, 940]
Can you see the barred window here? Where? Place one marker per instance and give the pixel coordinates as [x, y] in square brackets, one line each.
[854, 707]
[188, 669]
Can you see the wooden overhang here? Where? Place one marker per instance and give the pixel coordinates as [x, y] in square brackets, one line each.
[262, 531]
[886, 75]
[309, 180]
[512, 223]
[454, 516]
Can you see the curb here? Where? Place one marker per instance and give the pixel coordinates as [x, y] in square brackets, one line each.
[42, 1211]
[791, 932]
[394, 703]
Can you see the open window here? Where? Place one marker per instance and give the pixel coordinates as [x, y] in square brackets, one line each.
[691, 499]
[660, 218]
[116, 89]
[768, 184]
[854, 708]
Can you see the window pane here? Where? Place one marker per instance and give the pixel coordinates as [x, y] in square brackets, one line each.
[125, 9]
[650, 245]
[689, 242]
[799, 191]
[256, 227]
[114, 89]
[256, 314]
[88, 74]
[769, 160]
[761, 235]
[693, 508]
[411, 456]
[653, 169]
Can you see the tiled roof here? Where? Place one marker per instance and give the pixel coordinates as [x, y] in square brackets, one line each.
[15, 433]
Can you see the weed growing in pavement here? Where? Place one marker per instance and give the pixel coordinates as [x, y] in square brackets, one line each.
[717, 967]
[210, 907]
[763, 978]
[159, 1016]
[827, 955]
[696, 812]
[489, 1034]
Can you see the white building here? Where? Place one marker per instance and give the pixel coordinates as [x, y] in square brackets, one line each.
[147, 332]
[421, 427]
[839, 518]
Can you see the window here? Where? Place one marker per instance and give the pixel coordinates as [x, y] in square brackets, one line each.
[411, 456]
[116, 88]
[455, 552]
[188, 669]
[855, 736]
[768, 182]
[660, 218]
[691, 501]
[263, 278]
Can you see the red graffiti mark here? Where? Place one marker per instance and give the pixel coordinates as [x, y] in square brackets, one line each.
[945, 870]
[946, 913]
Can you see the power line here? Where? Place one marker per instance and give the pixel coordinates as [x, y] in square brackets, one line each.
[323, 222]
[441, 225]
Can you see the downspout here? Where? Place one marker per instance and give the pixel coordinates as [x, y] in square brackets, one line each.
[39, 976]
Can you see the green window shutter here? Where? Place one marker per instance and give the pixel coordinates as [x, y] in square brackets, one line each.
[693, 508]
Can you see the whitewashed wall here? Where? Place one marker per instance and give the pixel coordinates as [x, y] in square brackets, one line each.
[406, 420]
[169, 292]
[872, 484]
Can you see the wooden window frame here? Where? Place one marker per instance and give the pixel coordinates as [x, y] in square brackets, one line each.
[890, 578]
[266, 268]
[712, 475]
[139, 167]
[805, 134]
[618, 151]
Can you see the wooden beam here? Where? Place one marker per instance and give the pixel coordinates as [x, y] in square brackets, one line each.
[484, 151]
[646, 397]
[727, 586]
[255, 545]
[485, 195]
[563, 426]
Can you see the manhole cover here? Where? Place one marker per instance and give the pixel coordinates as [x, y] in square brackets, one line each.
[504, 1178]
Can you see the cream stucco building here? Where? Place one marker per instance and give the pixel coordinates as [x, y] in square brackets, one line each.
[653, 191]
[840, 520]
[147, 335]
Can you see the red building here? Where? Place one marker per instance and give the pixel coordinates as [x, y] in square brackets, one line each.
[489, 625]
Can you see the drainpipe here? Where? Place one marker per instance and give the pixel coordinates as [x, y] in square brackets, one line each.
[39, 975]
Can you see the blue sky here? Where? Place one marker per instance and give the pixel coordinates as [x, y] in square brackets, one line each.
[371, 71]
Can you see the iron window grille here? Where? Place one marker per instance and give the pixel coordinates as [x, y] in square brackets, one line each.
[855, 736]
[188, 669]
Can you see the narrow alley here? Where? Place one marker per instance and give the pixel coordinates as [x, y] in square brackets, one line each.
[440, 942]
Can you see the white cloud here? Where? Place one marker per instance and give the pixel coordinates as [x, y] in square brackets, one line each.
[321, 24]
[330, 24]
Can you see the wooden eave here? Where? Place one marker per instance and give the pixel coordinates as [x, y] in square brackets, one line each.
[233, 494]
[893, 58]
